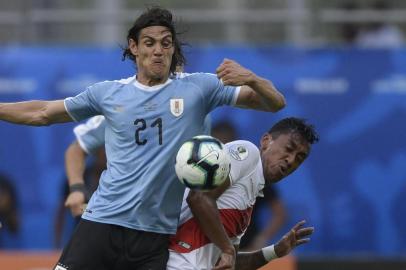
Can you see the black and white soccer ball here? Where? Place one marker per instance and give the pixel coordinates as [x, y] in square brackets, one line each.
[202, 163]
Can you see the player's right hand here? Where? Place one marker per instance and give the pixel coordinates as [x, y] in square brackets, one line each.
[295, 237]
[225, 262]
[75, 202]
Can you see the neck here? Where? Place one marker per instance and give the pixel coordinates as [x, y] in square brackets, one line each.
[151, 81]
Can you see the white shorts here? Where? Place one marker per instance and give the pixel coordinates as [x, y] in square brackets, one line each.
[177, 261]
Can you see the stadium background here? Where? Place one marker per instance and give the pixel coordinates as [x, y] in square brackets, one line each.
[352, 188]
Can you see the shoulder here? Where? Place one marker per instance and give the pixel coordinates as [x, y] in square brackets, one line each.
[244, 159]
[198, 77]
[113, 84]
[242, 150]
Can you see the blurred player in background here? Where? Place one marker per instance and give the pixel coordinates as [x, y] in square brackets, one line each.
[79, 174]
[256, 235]
[9, 215]
[282, 150]
[129, 218]
[89, 140]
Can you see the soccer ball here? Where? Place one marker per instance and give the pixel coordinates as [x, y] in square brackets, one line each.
[202, 163]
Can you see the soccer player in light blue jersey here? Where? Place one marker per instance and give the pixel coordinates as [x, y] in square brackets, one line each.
[89, 140]
[129, 218]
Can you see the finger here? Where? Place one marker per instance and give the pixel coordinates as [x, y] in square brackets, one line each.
[222, 267]
[302, 241]
[222, 73]
[220, 68]
[304, 232]
[227, 82]
[298, 225]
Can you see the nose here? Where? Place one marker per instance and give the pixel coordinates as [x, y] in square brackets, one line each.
[290, 159]
[158, 49]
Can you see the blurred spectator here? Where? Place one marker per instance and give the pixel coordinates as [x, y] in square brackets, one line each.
[380, 34]
[65, 222]
[256, 236]
[224, 131]
[9, 216]
[349, 30]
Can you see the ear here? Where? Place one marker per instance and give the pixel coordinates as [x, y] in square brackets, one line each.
[266, 140]
[133, 47]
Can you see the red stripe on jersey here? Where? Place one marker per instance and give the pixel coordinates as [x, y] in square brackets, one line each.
[190, 237]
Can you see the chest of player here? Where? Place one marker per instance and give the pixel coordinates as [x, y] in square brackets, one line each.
[141, 114]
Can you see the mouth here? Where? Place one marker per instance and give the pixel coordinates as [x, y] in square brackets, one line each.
[158, 62]
[283, 170]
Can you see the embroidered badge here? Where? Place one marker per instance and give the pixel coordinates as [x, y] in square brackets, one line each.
[177, 106]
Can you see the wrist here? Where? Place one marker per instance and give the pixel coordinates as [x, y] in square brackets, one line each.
[269, 253]
[229, 250]
[253, 80]
[79, 187]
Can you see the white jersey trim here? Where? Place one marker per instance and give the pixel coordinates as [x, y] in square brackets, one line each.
[66, 109]
[151, 88]
[235, 97]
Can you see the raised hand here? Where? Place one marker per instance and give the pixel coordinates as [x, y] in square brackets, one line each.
[297, 236]
[232, 73]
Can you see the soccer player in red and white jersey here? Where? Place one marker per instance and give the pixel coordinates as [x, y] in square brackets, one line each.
[282, 150]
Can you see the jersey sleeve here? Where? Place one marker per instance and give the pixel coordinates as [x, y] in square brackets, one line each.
[90, 135]
[215, 93]
[86, 104]
[244, 158]
[207, 125]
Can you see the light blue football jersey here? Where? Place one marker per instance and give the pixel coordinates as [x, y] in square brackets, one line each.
[90, 135]
[145, 127]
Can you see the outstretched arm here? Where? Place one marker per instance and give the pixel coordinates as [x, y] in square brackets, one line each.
[297, 236]
[204, 208]
[34, 113]
[256, 92]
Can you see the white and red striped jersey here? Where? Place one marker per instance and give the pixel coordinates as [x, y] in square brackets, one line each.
[190, 248]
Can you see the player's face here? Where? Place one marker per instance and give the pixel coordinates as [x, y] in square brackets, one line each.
[153, 53]
[282, 155]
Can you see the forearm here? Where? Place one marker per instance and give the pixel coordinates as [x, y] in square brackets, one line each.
[75, 162]
[34, 113]
[205, 211]
[250, 260]
[25, 113]
[269, 97]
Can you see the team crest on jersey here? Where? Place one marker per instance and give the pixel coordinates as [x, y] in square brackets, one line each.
[177, 106]
[238, 152]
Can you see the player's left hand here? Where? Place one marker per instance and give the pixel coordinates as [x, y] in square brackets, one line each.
[232, 73]
[295, 237]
